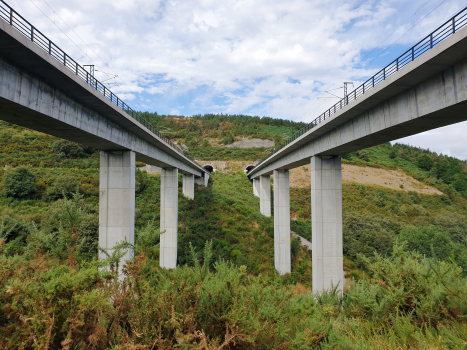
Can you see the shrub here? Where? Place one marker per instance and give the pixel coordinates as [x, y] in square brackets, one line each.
[427, 240]
[425, 162]
[68, 149]
[294, 246]
[366, 233]
[62, 185]
[141, 181]
[19, 183]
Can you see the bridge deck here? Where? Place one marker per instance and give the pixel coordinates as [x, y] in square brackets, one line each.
[442, 57]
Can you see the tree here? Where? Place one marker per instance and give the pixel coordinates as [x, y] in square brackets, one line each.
[425, 162]
[68, 149]
[427, 240]
[19, 183]
[63, 185]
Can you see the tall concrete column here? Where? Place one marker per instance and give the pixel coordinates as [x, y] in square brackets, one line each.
[256, 187]
[169, 218]
[117, 201]
[265, 195]
[326, 217]
[189, 186]
[282, 222]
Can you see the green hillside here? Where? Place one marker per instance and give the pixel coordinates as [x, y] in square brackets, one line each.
[229, 290]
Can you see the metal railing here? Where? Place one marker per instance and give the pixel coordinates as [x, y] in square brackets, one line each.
[441, 33]
[9, 15]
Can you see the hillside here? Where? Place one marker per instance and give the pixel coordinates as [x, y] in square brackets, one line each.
[51, 242]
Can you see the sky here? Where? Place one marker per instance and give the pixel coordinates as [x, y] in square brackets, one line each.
[270, 58]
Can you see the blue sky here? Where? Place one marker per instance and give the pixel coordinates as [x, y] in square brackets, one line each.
[259, 57]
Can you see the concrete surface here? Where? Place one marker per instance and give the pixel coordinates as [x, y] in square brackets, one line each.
[189, 186]
[202, 181]
[117, 201]
[303, 241]
[169, 218]
[251, 143]
[40, 93]
[151, 169]
[326, 223]
[428, 93]
[282, 260]
[265, 195]
[256, 187]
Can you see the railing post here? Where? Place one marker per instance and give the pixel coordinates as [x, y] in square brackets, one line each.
[87, 78]
[32, 33]
[413, 53]
[373, 78]
[397, 64]
[355, 94]
[76, 68]
[453, 25]
[384, 73]
[431, 40]
[50, 47]
[11, 17]
[64, 59]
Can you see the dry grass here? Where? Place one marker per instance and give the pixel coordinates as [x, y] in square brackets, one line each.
[393, 179]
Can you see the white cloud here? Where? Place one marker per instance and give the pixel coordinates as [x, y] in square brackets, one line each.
[234, 56]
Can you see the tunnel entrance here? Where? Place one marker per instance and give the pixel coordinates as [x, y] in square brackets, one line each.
[249, 168]
[209, 168]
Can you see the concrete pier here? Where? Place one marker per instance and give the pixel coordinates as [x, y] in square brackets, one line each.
[326, 223]
[189, 186]
[282, 222]
[169, 218]
[203, 180]
[117, 201]
[265, 195]
[256, 187]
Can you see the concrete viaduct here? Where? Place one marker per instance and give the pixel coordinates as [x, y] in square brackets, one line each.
[423, 89]
[43, 89]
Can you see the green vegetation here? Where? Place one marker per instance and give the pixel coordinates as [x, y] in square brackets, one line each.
[19, 183]
[54, 293]
[54, 301]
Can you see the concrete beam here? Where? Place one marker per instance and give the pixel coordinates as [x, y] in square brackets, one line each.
[265, 195]
[326, 224]
[256, 187]
[189, 186]
[282, 260]
[117, 201]
[169, 218]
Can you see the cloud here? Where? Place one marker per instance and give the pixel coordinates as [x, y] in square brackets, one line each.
[234, 56]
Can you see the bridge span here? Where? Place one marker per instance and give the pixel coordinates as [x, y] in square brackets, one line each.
[43, 88]
[423, 89]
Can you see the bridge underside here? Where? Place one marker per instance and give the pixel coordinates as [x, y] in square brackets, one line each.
[30, 102]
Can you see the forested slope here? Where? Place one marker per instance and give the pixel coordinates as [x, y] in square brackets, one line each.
[48, 245]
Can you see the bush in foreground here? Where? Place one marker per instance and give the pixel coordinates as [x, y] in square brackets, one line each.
[49, 302]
